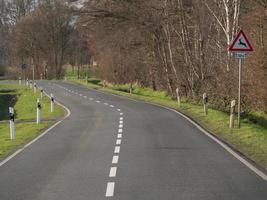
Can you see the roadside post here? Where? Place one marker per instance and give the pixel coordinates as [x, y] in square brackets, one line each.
[39, 107]
[41, 94]
[27, 82]
[232, 114]
[178, 96]
[41, 76]
[240, 46]
[52, 102]
[12, 123]
[30, 84]
[23, 68]
[205, 102]
[34, 87]
[19, 80]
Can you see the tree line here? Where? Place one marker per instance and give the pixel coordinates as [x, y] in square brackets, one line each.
[161, 44]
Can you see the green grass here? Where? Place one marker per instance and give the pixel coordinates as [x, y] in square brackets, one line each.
[24, 133]
[250, 139]
[24, 101]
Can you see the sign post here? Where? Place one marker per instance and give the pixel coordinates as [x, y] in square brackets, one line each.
[240, 46]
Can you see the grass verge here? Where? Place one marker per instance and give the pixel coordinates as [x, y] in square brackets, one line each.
[24, 102]
[250, 139]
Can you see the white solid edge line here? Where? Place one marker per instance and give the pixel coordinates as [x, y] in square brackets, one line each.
[225, 146]
[110, 189]
[38, 137]
[113, 171]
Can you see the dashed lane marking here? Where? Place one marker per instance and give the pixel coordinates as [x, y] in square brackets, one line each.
[115, 159]
[117, 149]
[110, 189]
[118, 142]
[113, 171]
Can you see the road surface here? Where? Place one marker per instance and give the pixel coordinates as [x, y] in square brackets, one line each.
[114, 148]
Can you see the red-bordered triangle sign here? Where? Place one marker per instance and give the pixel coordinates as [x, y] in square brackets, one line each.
[241, 43]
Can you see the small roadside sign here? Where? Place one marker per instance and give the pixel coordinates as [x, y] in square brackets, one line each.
[240, 46]
[241, 43]
[241, 55]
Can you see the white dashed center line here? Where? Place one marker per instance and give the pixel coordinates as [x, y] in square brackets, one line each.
[113, 171]
[117, 149]
[110, 189]
[118, 142]
[115, 159]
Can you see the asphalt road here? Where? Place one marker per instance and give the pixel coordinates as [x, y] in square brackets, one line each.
[114, 148]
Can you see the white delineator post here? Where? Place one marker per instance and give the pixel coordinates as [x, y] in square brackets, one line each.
[30, 84]
[52, 102]
[19, 80]
[38, 114]
[205, 102]
[41, 94]
[12, 123]
[27, 82]
[232, 114]
[178, 97]
[34, 87]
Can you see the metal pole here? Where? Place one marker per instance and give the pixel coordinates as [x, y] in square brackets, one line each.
[239, 92]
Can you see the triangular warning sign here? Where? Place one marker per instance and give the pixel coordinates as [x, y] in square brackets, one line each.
[241, 43]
